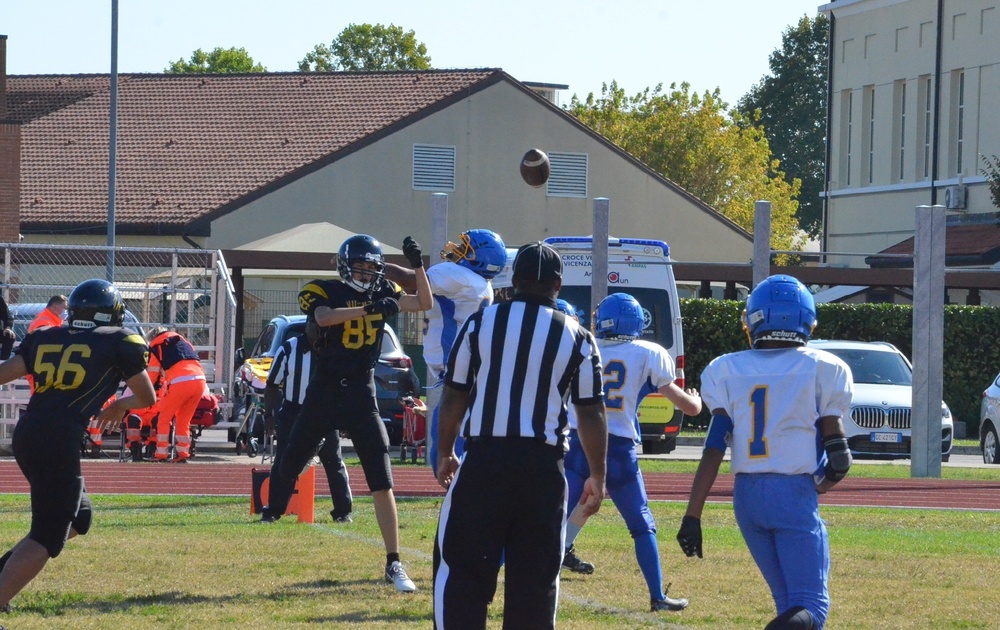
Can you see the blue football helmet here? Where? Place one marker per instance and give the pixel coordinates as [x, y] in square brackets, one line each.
[780, 309]
[356, 250]
[569, 309]
[618, 316]
[482, 251]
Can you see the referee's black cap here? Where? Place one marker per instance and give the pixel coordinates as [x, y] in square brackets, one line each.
[538, 262]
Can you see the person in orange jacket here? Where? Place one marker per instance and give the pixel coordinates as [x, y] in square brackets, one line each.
[174, 359]
[52, 314]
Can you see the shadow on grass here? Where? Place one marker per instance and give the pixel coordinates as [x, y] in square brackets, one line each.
[58, 604]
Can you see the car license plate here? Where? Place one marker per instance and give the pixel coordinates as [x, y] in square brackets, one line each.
[894, 438]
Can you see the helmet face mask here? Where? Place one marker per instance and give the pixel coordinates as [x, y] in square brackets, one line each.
[360, 263]
[619, 316]
[95, 303]
[481, 251]
[779, 309]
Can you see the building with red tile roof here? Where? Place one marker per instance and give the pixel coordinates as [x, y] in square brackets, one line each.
[220, 161]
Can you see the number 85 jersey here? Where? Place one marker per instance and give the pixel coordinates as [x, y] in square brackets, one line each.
[775, 397]
[353, 347]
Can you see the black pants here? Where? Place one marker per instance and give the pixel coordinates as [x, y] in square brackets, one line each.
[48, 453]
[330, 455]
[507, 501]
[333, 402]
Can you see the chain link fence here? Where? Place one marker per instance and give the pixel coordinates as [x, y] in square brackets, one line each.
[187, 290]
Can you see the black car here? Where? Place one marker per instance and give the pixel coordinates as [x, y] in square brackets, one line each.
[395, 377]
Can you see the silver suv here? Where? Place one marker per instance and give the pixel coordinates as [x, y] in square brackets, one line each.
[879, 424]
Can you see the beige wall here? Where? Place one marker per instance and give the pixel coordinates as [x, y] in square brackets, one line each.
[370, 190]
[879, 46]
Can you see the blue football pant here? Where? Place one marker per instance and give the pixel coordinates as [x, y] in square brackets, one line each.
[778, 516]
[628, 493]
[432, 441]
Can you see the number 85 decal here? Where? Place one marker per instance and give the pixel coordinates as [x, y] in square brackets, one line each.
[53, 372]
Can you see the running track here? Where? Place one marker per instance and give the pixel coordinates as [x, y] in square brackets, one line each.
[228, 478]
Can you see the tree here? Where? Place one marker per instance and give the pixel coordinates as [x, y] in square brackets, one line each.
[219, 61]
[369, 47]
[693, 141]
[790, 104]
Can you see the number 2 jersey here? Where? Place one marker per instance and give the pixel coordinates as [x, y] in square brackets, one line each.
[351, 348]
[632, 369]
[76, 370]
[775, 397]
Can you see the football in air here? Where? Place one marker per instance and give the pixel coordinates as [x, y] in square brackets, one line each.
[535, 168]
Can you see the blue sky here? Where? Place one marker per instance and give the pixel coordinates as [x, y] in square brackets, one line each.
[583, 43]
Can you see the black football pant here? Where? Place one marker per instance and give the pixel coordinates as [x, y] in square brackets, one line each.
[333, 402]
[508, 501]
[330, 455]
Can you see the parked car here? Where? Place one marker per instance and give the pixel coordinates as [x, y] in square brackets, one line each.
[879, 424]
[22, 314]
[395, 377]
[989, 423]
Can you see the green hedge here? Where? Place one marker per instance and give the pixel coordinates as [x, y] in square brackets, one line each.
[971, 351]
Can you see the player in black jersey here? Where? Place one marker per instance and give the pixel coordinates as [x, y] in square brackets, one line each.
[75, 369]
[345, 320]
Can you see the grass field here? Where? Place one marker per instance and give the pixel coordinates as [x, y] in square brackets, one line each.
[202, 562]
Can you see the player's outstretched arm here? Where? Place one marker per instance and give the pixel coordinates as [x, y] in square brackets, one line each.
[12, 368]
[687, 400]
[142, 396]
[406, 278]
[423, 300]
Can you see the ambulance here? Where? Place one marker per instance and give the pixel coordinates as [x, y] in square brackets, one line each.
[643, 269]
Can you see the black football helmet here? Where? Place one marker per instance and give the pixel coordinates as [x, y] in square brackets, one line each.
[95, 303]
[358, 249]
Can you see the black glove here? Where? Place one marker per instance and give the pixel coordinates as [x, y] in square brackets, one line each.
[411, 249]
[689, 536]
[386, 307]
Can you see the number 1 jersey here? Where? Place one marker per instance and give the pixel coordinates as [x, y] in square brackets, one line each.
[775, 398]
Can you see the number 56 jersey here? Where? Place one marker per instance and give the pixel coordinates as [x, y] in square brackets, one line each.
[77, 370]
[775, 397]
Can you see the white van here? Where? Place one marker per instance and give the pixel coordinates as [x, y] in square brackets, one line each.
[643, 269]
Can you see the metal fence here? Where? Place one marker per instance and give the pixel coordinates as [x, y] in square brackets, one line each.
[187, 290]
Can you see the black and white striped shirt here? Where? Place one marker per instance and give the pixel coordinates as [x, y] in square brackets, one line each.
[290, 369]
[518, 360]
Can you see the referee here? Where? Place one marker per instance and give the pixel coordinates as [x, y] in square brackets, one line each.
[290, 372]
[510, 371]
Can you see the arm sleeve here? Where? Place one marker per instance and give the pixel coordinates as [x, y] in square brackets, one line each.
[311, 296]
[835, 389]
[661, 368]
[276, 376]
[720, 431]
[588, 383]
[132, 354]
[459, 372]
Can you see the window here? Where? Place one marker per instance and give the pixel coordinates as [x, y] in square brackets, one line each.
[568, 175]
[868, 134]
[433, 167]
[925, 124]
[960, 124]
[846, 130]
[899, 129]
